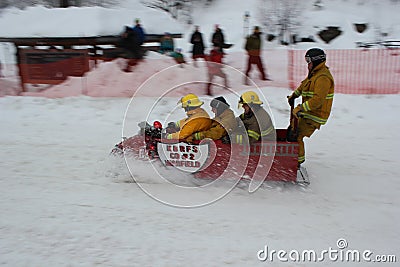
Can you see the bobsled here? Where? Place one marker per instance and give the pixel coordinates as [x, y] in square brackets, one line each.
[212, 159]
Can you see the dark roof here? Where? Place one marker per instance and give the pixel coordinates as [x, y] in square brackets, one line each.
[94, 40]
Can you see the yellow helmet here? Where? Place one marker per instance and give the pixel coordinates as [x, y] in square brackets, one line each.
[190, 100]
[250, 97]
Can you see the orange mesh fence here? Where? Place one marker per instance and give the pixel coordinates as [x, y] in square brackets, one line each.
[356, 71]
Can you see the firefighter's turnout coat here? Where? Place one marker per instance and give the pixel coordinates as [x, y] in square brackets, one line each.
[198, 120]
[317, 92]
[221, 126]
[257, 124]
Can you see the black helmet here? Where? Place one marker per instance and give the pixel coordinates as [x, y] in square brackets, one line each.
[220, 104]
[316, 56]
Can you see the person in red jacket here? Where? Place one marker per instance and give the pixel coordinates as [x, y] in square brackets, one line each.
[215, 67]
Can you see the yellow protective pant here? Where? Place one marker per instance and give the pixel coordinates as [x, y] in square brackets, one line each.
[306, 128]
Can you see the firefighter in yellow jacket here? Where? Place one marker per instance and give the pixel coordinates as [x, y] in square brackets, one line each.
[223, 123]
[256, 120]
[317, 92]
[197, 118]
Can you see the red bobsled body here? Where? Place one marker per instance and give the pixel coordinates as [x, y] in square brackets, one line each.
[274, 161]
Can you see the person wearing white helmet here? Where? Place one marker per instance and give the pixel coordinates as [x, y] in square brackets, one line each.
[197, 118]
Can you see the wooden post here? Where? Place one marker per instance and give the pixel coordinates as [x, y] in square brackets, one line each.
[21, 76]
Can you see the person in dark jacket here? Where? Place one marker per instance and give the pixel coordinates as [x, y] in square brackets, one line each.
[138, 29]
[198, 45]
[130, 43]
[141, 37]
[218, 38]
[253, 48]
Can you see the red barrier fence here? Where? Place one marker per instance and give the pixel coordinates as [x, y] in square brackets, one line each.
[356, 71]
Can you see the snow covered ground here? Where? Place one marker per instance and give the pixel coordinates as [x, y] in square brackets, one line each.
[66, 202]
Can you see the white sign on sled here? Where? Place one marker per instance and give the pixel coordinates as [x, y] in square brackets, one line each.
[183, 156]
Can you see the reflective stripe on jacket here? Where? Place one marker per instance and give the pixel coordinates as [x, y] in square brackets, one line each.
[317, 94]
[258, 125]
[197, 120]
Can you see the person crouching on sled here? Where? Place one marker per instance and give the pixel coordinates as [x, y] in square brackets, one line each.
[197, 119]
[223, 124]
[255, 119]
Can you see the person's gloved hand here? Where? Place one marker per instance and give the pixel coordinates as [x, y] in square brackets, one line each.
[189, 139]
[296, 111]
[291, 99]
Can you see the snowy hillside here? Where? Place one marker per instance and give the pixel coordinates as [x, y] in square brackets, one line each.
[381, 20]
[67, 202]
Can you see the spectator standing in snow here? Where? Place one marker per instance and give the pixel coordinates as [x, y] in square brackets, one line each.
[130, 43]
[166, 44]
[317, 91]
[253, 48]
[215, 67]
[198, 45]
[218, 38]
[140, 35]
[138, 29]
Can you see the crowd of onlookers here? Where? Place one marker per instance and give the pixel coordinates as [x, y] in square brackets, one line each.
[133, 38]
